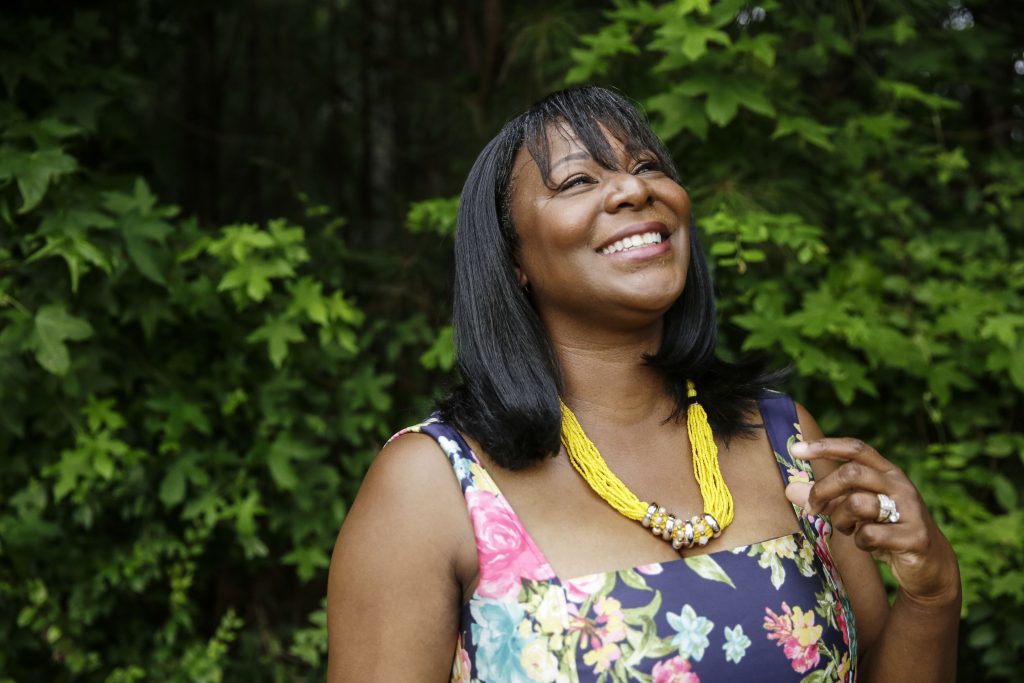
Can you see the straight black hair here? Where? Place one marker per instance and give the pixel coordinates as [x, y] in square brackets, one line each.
[508, 398]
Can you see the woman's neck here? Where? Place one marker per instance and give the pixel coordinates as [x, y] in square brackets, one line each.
[608, 378]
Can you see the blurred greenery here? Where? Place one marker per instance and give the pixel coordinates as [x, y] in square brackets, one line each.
[225, 248]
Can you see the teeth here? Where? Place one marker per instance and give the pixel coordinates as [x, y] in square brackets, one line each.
[632, 242]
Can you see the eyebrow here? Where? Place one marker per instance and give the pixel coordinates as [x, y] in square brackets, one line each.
[571, 157]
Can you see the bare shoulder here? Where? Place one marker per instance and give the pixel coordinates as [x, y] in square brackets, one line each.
[394, 590]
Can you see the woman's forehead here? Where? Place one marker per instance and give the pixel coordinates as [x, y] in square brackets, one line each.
[560, 142]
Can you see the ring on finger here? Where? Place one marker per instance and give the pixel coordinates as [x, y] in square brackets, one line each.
[887, 513]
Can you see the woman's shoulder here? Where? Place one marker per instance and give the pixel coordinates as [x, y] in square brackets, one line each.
[399, 565]
[412, 462]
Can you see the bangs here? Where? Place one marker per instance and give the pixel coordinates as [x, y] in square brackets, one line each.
[584, 114]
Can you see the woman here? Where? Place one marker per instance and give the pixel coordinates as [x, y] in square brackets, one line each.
[585, 330]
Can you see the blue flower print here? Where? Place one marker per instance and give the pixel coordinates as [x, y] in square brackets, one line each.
[736, 644]
[498, 634]
[693, 630]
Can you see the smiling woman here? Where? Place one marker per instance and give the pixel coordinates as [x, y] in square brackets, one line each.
[586, 338]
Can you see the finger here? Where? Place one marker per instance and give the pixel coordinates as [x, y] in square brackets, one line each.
[853, 511]
[847, 478]
[889, 539]
[841, 449]
[797, 493]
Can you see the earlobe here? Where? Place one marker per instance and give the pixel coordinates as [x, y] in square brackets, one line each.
[524, 282]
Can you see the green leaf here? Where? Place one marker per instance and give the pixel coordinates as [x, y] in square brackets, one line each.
[1005, 492]
[819, 676]
[278, 333]
[441, 353]
[723, 249]
[436, 216]
[172, 488]
[722, 104]
[308, 298]
[53, 326]
[806, 128]
[37, 171]
[706, 567]
[279, 463]
[673, 112]
[78, 253]
[901, 90]
[308, 561]
[695, 42]
[144, 256]
[633, 579]
[762, 47]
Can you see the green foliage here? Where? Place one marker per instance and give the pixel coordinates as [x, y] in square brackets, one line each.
[187, 409]
[868, 229]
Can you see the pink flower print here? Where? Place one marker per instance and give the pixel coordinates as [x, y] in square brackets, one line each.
[650, 569]
[461, 668]
[841, 620]
[578, 590]
[503, 548]
[675, 670]
[798, 635]
[823, 530]
[601, 633]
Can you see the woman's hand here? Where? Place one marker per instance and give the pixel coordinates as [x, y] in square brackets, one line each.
[921, 559]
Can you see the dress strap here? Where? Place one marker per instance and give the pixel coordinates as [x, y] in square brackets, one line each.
[778, 411]
[462, 458]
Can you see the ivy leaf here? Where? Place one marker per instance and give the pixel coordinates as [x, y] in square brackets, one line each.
[805, 127]
[675, 113]
[37, 171]
[902, 90]
[54, 326]
[722, 105]
[435, 216]
[255, 277]
[143, 254]
[308, 561]
[308, 298]
[695, 42]
[278, 333]
[441, 353]
[761, 47]
[78, 253]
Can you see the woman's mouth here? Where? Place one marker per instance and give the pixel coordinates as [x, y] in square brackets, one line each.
[633, 242]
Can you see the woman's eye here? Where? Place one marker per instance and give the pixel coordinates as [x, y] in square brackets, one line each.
[573, 181]
[646, 167]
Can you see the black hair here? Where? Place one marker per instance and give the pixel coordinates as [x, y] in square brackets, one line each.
[508, 398]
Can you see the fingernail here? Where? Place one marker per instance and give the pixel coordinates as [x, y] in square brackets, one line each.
[799, 448]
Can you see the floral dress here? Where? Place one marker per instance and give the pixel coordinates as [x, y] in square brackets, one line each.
[771, 611]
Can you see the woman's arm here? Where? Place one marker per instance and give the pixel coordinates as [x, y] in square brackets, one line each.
[915, 639]
[394, 596]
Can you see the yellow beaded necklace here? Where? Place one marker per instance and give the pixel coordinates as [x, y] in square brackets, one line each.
[684, 534]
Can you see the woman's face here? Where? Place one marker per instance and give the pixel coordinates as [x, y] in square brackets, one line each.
[605, 246]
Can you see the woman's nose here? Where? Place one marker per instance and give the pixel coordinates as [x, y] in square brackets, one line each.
[627, 191]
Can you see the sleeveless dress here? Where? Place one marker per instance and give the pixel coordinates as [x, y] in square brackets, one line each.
[771, 611]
